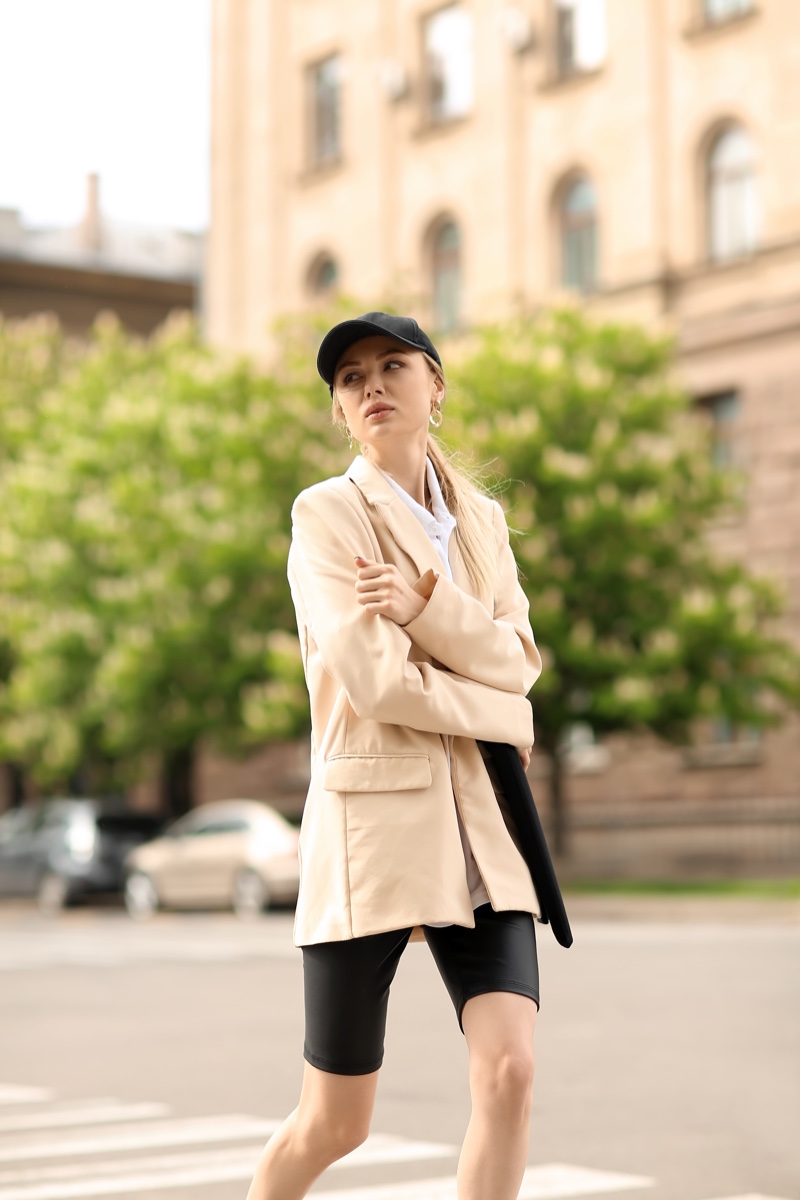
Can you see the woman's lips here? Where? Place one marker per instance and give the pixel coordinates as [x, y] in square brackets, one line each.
[379, 412]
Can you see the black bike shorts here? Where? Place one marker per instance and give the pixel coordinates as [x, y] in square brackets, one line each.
[347, 983]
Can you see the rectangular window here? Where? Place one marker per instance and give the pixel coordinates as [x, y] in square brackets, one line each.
[580, 35]
[717, 11]
[721, 742]
[324, 88]
[723, 732]
[448, 71]
[722, 411]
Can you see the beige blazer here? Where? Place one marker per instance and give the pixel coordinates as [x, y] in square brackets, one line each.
[379, 843]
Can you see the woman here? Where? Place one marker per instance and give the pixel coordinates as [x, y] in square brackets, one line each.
[416, 642]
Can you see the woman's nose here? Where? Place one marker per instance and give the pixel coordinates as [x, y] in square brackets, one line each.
[373, 386]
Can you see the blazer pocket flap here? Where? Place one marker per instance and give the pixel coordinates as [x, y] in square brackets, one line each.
[376, 772]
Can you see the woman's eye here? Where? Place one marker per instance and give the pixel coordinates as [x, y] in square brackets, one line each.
[393, 362]
[348, 378]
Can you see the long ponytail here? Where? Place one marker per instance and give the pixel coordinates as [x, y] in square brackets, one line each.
[464, 499]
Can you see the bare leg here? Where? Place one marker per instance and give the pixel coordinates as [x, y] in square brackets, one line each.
[331, 1119]
[499, 1030]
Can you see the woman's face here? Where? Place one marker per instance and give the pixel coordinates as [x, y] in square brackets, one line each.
[385, 390]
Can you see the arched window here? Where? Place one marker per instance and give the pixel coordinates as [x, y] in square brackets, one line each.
[578, 218]
[323, 277]
[446, 277]
[731, 199]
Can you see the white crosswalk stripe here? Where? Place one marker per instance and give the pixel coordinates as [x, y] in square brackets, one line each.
[379, 1148]
[539, 1183]
[10, 1094]
[126, 1166]
[193, 1131]
[79, 1162]
[30, 1170]
[547, 1182]
[214, 1165]
[98, 1113]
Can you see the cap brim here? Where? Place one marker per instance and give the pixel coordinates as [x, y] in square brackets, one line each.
[343, 335]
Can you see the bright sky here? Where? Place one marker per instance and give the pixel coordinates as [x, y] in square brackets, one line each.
[121, 87]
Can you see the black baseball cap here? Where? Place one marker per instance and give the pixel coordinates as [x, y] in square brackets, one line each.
[402, 329]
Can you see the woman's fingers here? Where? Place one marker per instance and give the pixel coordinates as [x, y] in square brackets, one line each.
[366, 564]
[372, 585]
[374, 577]
[378, 584]
[381, 588]
[376, 570]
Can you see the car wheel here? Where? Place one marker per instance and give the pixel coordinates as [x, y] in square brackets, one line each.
[141, 897]
[52, 893]
[250, 895]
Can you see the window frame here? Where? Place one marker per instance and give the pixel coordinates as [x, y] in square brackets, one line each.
[719, 187]
[319, 262]
[316, 161]
[576, 226]
[452, 271]
[430, 118]
[565, 66]
[725, 448]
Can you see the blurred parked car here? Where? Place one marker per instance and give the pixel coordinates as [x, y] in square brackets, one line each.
[238, 854]
[62, 850]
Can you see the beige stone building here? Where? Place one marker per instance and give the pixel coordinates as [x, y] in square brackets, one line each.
[481, 157]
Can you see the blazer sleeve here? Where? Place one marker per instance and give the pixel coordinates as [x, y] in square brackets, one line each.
[369, 654]
[459, 632]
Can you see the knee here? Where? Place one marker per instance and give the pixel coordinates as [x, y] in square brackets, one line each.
[331, 1136]
[346, 1135]
[505, 1081]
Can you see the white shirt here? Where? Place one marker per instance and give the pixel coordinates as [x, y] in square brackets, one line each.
[439, 525]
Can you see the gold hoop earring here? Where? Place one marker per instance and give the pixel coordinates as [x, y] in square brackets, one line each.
[438, 412]
[350, 436]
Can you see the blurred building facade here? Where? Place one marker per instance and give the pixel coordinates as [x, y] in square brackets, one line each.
[141, 273]
[485, 158]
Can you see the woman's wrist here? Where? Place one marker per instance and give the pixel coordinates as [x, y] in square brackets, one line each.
[421, 606]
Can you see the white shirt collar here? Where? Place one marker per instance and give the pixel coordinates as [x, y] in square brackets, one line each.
[441, 515]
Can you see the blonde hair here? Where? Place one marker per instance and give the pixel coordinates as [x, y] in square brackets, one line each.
[464, 495]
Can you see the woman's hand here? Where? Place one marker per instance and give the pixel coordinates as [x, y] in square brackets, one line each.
[382, 589]
[525, 756]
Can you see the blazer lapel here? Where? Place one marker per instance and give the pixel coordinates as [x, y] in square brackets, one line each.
[402, 524]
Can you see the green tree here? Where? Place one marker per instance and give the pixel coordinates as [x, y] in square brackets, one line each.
[612, 492]
[143, 560]
[34, 353]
